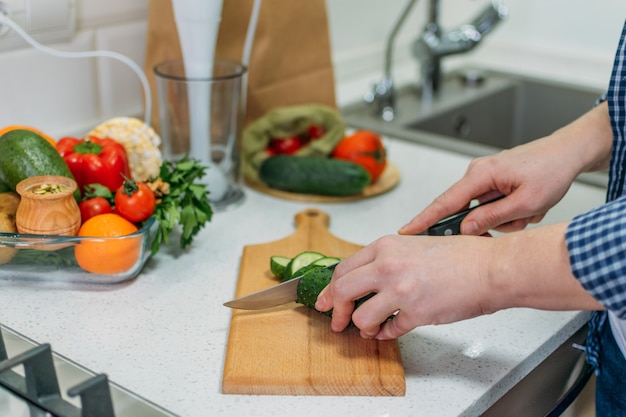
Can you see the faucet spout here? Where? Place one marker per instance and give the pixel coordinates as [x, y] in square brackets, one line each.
[382, 95]
[435, 43]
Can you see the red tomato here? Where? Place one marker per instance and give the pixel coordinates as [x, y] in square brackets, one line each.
[364, 148]
[92, 207]
[288, 145]
[134, 201]
[316, 132]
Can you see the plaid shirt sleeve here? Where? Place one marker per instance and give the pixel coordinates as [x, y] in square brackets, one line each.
[596, 242]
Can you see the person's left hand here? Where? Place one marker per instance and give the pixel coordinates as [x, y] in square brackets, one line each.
[421, 279]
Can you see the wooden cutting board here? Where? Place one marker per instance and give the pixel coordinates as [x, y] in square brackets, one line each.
[290, 349]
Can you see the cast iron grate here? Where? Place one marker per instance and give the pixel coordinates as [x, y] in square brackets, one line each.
[40, 387]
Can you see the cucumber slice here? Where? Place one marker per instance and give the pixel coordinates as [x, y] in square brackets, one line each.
[278, 265]
[326, 261]
[302, 260]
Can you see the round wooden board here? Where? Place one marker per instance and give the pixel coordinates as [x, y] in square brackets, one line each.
[387, 181]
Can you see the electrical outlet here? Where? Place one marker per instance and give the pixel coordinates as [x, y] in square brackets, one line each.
[47, 21]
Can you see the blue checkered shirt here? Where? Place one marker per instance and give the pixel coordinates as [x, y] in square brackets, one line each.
[596, 240]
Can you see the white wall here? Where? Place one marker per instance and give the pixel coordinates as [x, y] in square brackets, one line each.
[558, 38]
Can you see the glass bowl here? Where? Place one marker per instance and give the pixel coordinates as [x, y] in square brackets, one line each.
[51, 258]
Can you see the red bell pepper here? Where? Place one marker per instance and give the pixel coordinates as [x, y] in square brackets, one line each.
[95, 160]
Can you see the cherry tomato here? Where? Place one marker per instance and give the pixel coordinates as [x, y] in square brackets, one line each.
[92, 207]
[134, 201]
[316, 132]
[287, 145]
[364, 148]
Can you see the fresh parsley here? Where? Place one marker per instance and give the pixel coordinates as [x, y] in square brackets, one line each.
[185, 202]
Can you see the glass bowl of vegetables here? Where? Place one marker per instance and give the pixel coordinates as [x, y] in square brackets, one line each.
[53, 258]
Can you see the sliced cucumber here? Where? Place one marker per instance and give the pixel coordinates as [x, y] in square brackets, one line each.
[278, 265]
[300, 261]
[326, 261]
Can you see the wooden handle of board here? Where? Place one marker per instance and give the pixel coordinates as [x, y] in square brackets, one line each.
[311, 222]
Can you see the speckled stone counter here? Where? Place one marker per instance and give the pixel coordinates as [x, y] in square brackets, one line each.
[163, 335]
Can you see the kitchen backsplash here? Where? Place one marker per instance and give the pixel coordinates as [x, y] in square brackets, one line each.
[69, 96]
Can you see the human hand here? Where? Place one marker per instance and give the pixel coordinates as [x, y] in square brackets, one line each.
[443, 279]
[426, 280]
[532, 177]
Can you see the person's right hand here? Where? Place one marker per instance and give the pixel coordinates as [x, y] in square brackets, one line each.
[530, 176]
[533, 177]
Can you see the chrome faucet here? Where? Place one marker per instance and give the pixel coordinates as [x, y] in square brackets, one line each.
[382, 96]
[432, 45]
[435, 43]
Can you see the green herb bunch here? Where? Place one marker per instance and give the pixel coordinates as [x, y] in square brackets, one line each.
[186, 203]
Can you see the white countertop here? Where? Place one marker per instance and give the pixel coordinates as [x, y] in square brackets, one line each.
[163, 335]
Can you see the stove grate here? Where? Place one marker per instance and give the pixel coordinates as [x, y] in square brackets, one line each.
[39, 384]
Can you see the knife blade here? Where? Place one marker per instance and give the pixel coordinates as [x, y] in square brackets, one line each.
[270, 297]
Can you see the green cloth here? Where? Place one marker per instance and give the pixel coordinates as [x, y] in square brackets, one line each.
[289, 121]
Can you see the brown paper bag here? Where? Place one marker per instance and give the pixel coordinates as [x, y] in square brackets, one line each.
[290, 62]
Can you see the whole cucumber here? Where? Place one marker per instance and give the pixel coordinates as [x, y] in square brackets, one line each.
[314, 175]
[313, 282]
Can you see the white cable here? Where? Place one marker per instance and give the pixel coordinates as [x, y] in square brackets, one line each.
[247, 48]
[4, 19]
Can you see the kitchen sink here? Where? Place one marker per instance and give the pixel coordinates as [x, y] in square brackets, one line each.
[479, 112]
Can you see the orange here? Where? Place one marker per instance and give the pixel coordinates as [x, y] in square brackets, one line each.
[32, 129]
[112, 255]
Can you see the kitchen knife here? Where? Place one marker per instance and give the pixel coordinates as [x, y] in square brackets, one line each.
[287, 291]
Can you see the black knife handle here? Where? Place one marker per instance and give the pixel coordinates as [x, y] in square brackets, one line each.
[448, 226]
[451, 225]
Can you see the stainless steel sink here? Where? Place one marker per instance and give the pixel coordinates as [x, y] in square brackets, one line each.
[480, 112]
